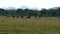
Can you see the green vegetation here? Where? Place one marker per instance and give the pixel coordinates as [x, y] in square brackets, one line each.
[28, 13]
[45, 25]
[23, 21]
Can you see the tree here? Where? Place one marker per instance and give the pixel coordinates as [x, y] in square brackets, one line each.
[20, 12]
[2, 11]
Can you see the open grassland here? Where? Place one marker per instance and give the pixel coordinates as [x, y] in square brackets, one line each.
[45, 25]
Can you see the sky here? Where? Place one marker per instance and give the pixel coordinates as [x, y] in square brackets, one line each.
[29, 3]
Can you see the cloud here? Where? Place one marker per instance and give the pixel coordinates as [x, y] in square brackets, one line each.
[30, 3]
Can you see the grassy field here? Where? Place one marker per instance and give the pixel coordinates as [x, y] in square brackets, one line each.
[45, 25]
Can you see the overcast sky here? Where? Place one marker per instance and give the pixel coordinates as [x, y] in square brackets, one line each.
[30, 3]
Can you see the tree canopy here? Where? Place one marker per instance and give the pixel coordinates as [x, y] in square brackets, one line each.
[54, 12]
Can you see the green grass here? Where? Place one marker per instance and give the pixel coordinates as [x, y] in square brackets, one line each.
[49, 25]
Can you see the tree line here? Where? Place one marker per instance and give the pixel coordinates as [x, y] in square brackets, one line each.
[28, 13]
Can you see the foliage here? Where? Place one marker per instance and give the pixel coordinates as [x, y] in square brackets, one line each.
[30, 12]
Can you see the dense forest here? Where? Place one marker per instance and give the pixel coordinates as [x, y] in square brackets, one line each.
[28, 13]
